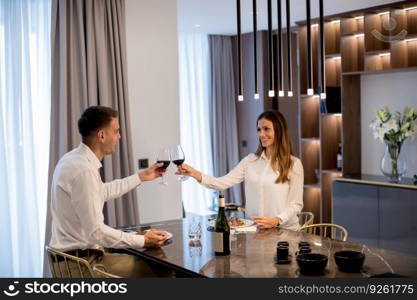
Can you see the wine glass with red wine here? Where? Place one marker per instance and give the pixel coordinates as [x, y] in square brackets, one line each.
[164, 156]
[178, 158]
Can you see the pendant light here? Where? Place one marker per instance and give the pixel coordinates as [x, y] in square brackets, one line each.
[239, 52]
[279, 50]
[322, 72]
[289, 65]
[271, 92]
[255, 46]
[310, 89]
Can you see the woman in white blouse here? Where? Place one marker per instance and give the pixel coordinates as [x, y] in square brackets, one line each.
[273, 177]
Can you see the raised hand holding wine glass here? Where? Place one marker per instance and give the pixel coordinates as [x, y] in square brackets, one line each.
[164, 156]
[178, 158]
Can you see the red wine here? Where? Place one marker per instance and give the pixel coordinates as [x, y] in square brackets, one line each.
[165, 162]
[179, 162]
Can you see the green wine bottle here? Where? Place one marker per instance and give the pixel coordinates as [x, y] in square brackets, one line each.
[221, 231]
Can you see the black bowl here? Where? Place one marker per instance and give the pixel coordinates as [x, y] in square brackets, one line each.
[349, 261]
[311, 263]
[303, 244]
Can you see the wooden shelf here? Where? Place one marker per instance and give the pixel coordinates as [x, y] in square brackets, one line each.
[411, 17]
[309, 110]
[404, 53]
[321, 133]
[404, 19]
[331, 136]
[351, 25]
[377, 60]
[333, 55]
[377, 52]
[331, 114]
[312, 186]
[352, 53]
[410, 36]
[331, 171]
[377, 37]
[333, 71]
[305, 96]
[351, 34]
[393, 70]
[310, 157]
[351, 124]
[331, 37]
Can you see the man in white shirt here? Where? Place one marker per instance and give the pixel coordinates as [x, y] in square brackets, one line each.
[78, 195]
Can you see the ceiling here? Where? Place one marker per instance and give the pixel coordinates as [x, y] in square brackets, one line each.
[219, 16]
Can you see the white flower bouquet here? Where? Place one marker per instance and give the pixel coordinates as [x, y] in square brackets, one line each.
[393, 128]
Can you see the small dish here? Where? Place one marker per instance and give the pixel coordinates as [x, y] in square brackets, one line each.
[312, 263]
[349, 261]
[243, 223]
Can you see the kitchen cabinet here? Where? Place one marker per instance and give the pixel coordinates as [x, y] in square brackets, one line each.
[377, 213]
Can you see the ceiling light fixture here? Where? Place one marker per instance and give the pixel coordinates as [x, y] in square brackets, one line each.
[255, 48]
[289, 65]
[239, 52]
[322, 71]
[271, 92]
[310, 89]
[280, 74]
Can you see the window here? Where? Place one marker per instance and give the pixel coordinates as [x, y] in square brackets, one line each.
[194, 65]
[24, 134]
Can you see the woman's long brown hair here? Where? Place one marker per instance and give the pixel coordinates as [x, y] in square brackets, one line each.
[282, 149]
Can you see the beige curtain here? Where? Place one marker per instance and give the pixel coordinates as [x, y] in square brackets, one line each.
[223, 120]
[89, 68]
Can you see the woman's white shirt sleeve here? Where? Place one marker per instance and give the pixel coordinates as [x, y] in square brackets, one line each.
[235, 176]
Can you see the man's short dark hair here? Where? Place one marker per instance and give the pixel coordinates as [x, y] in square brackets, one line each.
[95, 118]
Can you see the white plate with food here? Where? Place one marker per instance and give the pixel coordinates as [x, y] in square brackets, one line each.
[235, 223]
